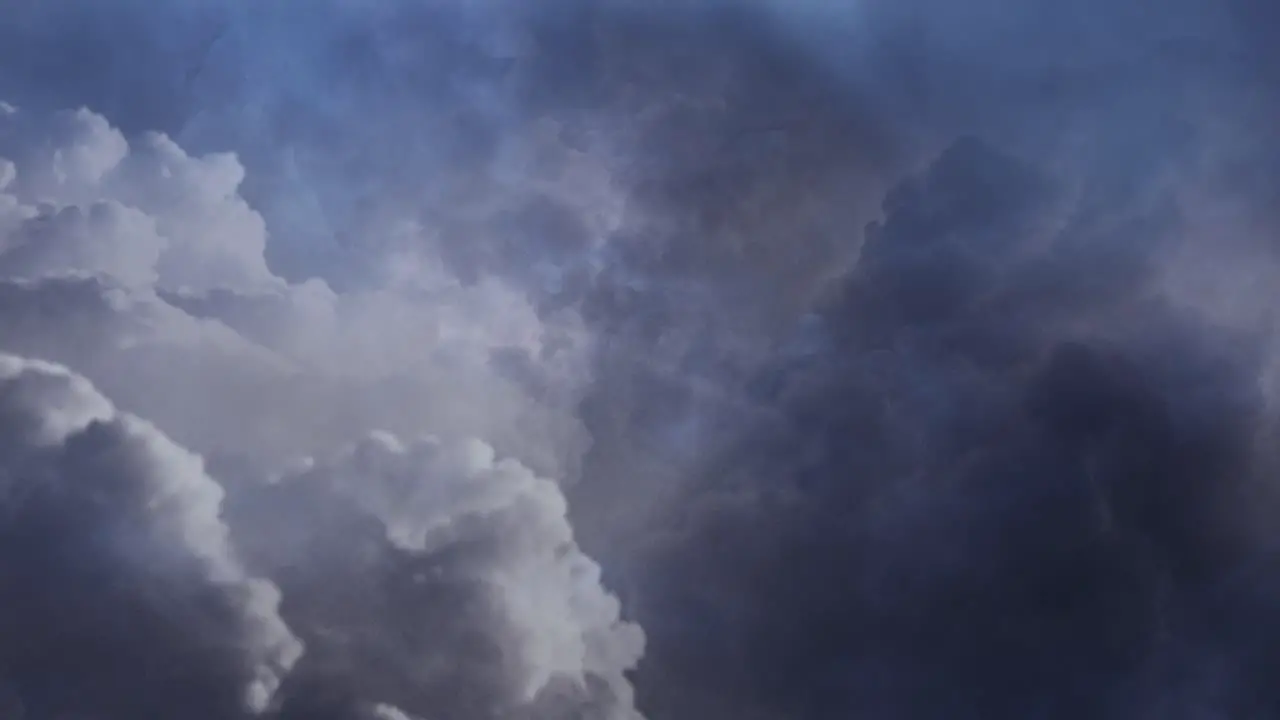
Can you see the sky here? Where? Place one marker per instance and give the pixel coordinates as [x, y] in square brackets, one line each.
[621, 360]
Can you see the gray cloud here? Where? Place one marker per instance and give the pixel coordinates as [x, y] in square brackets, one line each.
[140, 266]
[1022, 481]
[123, 594]
[1003, 453]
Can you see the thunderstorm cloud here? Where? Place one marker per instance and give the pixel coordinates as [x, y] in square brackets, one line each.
[608, 360]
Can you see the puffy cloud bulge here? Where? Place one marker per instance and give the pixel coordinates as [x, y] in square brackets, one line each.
[894, 359]
[124, 595]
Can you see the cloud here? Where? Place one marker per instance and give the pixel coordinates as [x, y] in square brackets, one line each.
[78, 157]
[464, 593]
[430, 576]
[154, 256]
[1022, 480]
[123, 595]
[833, 468]
[140, 266]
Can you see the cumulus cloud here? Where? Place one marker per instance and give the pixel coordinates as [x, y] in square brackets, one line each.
[1006, 452]
[77, 157]
[156, 258]
[142, 268]
[429, 577]
[123, 594]
[466, 593]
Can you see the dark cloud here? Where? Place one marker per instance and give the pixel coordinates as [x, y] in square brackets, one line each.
[122, 596]
[1018, 473]
[1019, 485]
[1003, 452]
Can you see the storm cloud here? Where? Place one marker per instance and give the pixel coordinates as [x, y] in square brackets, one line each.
[1020, 482]
[902, 359]
[124, 595]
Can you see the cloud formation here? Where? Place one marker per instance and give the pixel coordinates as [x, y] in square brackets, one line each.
[905, 359]
[1022, 481]
[463, 592]
[154, 256]
[123, 593]
[428, 579]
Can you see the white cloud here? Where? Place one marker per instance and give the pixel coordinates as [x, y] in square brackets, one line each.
[213, 238]
[432, 496]
[387, 712]
[104, 237]
[158, 261]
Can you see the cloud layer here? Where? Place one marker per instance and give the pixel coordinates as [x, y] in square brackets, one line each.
[1019, 482]
[903, 359]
